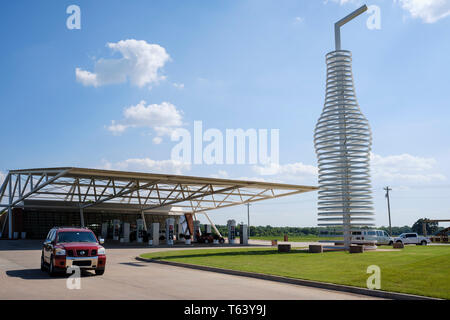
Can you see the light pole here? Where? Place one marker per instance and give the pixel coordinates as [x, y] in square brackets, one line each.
[387, 189]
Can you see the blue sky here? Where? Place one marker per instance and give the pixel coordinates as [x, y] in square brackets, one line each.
[230, 64]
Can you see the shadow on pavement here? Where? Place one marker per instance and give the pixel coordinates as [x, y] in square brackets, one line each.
[20, 244]
[28, 274]
[37, 274]
[134, 264]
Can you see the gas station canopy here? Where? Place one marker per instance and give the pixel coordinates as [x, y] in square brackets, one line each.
[142, 192]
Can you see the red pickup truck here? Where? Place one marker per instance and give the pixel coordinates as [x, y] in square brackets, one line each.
[70, 246]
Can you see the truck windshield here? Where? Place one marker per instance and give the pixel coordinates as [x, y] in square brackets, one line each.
[74, 236]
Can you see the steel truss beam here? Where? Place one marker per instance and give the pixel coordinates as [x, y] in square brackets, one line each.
[91, 187]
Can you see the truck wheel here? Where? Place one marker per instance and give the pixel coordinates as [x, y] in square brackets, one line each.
[51, 268]
[391, 243]
[99, 272]
[43, 268]
[424, 243]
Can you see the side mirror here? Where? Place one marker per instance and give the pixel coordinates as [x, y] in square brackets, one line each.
[101, 241]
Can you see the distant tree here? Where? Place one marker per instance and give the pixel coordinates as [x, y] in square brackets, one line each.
[432, 227]
[266, 231]
[397, 230]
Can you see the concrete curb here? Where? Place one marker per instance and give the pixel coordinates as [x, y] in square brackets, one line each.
[308, 283]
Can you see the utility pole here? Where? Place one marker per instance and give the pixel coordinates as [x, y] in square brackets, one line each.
[248, 220]
[387, 189]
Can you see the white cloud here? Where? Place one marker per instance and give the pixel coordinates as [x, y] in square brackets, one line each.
[178, 85]
[157, 140]
[148, 165]
[163, 118]
[86, 78]
[140, 64]
[116, 128]
[342, 2]
[221, 174]
[297, 168]
[404, 168]
[429, 11]
[153, 115]
[298, 20]
[258, 179]
[292, 172]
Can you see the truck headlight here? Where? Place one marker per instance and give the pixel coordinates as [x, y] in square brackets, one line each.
[60, 252]
[101, 251]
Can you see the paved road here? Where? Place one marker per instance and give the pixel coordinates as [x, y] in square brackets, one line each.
[126, 278]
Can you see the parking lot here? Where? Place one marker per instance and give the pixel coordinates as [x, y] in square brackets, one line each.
[127, 278]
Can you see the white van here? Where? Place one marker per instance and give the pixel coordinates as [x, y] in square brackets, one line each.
[380, 236]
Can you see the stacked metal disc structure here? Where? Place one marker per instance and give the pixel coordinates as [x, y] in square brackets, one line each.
[343, 142]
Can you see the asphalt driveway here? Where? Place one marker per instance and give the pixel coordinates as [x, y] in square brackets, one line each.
[126, 278]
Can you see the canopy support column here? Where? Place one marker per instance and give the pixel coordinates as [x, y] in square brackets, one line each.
[143, 219]
[82, 217]
[10, 199]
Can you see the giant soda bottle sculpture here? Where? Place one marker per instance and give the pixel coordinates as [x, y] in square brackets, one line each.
[342, 141]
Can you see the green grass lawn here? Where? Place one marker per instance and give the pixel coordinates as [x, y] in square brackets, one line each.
[311, 238]
[422, 270]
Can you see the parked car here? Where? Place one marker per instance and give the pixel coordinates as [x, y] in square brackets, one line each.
[412, 238]
[70, 246]
[380, 236]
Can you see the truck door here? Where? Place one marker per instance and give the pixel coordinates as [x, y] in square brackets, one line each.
[380, 239]
[412, 238]
[48, 246]
[386, 237]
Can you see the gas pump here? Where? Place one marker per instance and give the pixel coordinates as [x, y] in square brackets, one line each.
[207, 228]
[126, 232]
[155, 233]
[116, 229]
[170, 225]
[243, 239]
[231, 224]
[104, 230]
[140, 230]
[196, 230]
